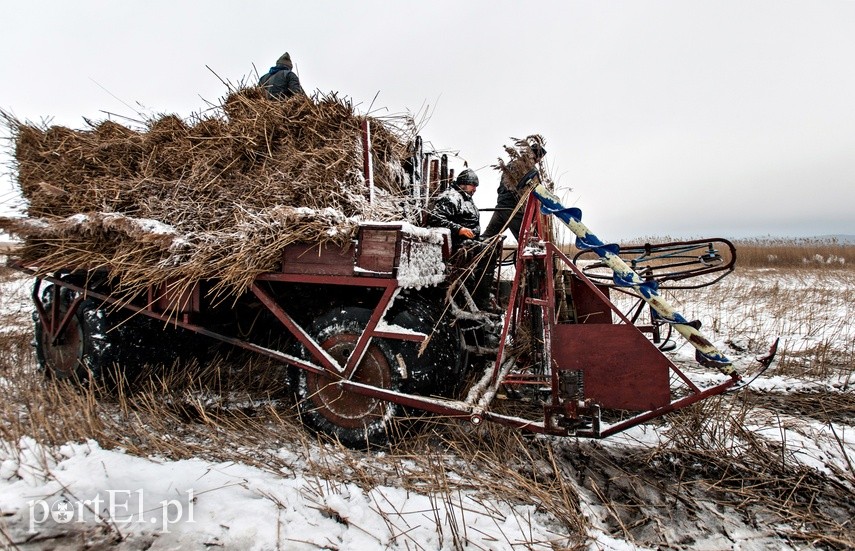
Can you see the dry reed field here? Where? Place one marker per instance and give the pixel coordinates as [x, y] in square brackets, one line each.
[794, 253]
[809, 253]
[770, 467]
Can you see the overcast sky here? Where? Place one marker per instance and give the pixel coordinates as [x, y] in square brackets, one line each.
[669, 118]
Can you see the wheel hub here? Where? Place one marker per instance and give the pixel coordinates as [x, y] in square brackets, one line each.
[63, 356]
[349, 409]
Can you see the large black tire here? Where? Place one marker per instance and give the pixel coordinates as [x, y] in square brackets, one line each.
[441, 367]
[84, 351]
[102, 344]
[355, 420]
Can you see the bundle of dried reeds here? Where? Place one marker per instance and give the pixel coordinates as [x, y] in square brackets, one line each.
[217, 196]
[521, 159]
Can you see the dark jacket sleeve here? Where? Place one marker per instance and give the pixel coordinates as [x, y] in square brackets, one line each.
[292, 84]
[443, 214]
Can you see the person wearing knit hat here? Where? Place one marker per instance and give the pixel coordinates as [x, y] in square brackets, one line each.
[454, 209]
[280, 82]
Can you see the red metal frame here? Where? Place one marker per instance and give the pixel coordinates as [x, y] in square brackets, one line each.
[535, 249]
[644, 358]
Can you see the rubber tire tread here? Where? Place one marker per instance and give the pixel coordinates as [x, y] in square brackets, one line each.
[98, 353]
[378, 433]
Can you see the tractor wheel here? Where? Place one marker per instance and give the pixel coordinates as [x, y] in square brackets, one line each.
[83, 350]
[440, 368]
[355, 420]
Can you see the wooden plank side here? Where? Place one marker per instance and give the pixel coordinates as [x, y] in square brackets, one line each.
[384, 236]
[379, 248]
[318, 260]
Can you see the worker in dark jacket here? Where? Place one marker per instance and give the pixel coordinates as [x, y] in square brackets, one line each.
[529, 154]
[454, 209]
[280, 81]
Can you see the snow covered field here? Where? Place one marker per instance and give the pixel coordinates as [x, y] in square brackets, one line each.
[768, 468]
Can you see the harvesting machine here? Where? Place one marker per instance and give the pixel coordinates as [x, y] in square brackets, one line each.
[385, 325]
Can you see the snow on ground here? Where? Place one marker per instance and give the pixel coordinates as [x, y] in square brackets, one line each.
[80, 492]
[806, 309]
[194, 504]
[825, 447]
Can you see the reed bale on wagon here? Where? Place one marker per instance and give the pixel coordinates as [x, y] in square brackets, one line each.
[219, 195]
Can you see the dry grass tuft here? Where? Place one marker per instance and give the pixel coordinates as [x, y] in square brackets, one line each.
[520, 158]
[174, 414]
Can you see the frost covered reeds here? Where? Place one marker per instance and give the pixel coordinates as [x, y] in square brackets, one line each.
[219, 195]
